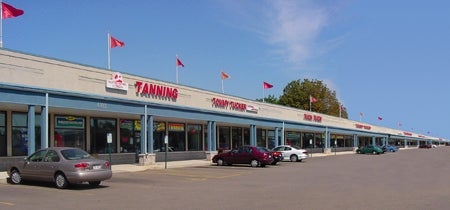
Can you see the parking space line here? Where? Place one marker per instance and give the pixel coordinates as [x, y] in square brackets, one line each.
[6, 203]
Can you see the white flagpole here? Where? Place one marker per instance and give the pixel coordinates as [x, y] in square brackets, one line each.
[310, 108]
[1, 24]
[109, 51]
[340, 110]
[264, 94]
[222, 87]
[176, 67]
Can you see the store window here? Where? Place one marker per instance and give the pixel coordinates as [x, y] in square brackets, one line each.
[159, 132]
[99, 130]
[319, 141]
[236, 137]
[271, 138]
[177, 136]
[3, 134]
[308, 140]
[70, 132]
[261, 137]
[130, 135]
[194, 134]
[20, 133]
[246, 136]
[224, 138]
[293, 138]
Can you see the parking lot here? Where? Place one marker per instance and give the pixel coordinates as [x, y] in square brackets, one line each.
[408, 179]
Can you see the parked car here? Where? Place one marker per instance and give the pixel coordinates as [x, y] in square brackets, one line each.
[255, 156]
[376, 150]
[277, 157]
[425, 146]
[292, 153]
[389, 148]
[62, 165]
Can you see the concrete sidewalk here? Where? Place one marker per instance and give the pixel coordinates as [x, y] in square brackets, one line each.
[172, 164]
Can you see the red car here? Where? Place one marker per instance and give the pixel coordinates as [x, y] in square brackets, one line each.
[425, 146]
[277, 157]
[255, 156]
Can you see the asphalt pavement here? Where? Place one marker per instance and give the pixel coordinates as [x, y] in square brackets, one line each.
[172, 164]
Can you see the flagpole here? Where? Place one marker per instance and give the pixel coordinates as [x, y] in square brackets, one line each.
[340, 110]
[109, 51]
[176, 68]
[264, 94]
[310, 104]
[1, 24]
[222, 87]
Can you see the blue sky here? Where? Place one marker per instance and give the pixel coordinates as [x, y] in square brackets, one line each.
[383, 58]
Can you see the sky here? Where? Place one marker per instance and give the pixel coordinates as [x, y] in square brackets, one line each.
[383, 58]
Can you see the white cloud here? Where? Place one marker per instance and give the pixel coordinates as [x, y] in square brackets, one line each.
[293, 29]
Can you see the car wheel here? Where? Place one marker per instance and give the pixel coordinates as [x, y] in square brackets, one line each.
[61, 181]
[293, 158]
[255, 163]
[220, 162]
[95, 183]
[15, 177]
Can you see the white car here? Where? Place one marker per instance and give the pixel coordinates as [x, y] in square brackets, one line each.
[292, 153]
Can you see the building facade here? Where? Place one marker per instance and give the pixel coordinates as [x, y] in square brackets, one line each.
[47, 102]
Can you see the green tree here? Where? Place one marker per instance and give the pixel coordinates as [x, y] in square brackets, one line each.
[297, 94]
[269, 99]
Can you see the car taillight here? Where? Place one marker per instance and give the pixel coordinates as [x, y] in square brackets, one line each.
[107, 164]
[82, 165]
[305, 152]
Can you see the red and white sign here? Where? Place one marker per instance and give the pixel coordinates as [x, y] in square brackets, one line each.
[362, 126]
[314, 118]
[251, 108]
[227, 104]
[147, 89]
[116, 82]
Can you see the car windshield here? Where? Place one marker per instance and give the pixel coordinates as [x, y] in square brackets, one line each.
[262, 149]
[75, 154]
[296, 147]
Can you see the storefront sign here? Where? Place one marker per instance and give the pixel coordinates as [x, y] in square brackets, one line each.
[147, 89]
[69, 122]
[116, 82]
[176, 127]
[251, 108]
[362, 126]
[311, 117]
[407, 133]
[227, 104]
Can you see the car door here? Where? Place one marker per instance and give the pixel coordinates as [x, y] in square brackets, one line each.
[49, 165]
[232, 157]
[31, 167]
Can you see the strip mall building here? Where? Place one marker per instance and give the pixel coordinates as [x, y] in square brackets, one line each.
[48, 102]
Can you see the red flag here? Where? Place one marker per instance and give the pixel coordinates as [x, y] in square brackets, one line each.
[342, 107]
[9, 11]
[267, 85]
[224, 75]
[380, 118]
[116, 43]
[179, 63]
[312, 99]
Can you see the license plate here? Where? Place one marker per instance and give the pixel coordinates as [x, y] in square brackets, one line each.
[97, 167]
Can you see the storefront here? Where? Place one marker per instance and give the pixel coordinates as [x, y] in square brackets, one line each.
[47, 102]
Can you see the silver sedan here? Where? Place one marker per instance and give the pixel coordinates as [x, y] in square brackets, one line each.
[292, 153]
[62, 165]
